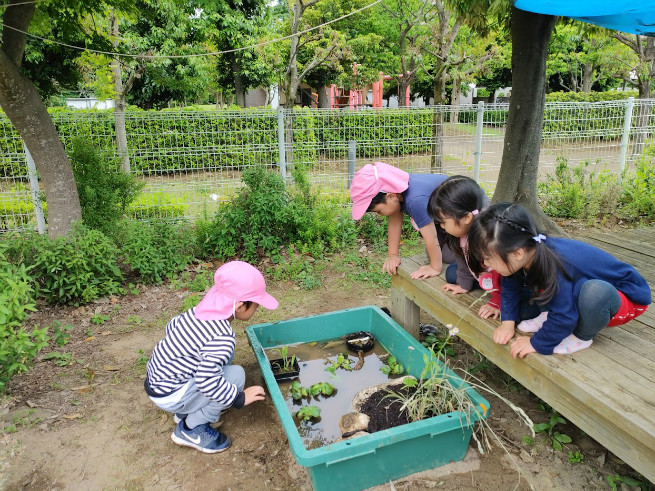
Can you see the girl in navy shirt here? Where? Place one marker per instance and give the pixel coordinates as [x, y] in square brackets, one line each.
[582, 288]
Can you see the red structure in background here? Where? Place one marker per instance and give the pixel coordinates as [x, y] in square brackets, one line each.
[355, 98]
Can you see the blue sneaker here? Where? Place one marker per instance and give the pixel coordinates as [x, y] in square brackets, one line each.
[203, 438]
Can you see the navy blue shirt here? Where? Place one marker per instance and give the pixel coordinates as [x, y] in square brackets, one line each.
[582, 262]
[417, 195]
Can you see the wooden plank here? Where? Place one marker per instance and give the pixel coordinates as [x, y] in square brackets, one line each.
[600, 406]
[644, 265]
[645, 248]
[405, 312]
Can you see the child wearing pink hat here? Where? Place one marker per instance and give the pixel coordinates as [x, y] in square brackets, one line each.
[190, 372]
[386, 190]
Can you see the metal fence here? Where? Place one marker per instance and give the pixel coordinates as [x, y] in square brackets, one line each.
[191, 161]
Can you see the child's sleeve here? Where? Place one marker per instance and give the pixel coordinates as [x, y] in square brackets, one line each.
[209, 375]
[510, 299]
[465, 278]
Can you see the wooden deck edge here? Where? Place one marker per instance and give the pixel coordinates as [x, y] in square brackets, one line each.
[544, 376]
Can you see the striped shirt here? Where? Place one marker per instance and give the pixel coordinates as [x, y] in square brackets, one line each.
[197, 349]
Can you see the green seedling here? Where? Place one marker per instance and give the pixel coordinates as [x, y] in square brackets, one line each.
[142, 359]
[60, 359]
[133, 289]
[392, 367]
[288, 362]
[616, 480]
[99, 319]
[342, 361]
[60, 334]
[576, 458]
[556, 438]
[529, 440]
[134, 319]
[320, 388]
[308, 412]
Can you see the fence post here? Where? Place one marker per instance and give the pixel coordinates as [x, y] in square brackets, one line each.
[36, 192]
[351, 160]
[627, 123]
[478, 141]
[281, 142]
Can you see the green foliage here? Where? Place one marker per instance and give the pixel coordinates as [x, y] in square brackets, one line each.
[99, 319]
[392, 367]
[156, 250]
[74, 269]
[568, 96]
[18, 346]
[157, 205]
[638, 197]
[191, 301]
[320, 388]
[576, 458]
[342, 361]
[61, 359]
[576, 193]
[288, 362]
[60, 333]
[616, 480]
[308, 412]
[300, 270]
[556, 438]
[265, 216]
[104, 190]
[363, 268]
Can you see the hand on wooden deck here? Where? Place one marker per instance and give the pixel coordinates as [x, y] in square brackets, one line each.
[504, 332]
[456, 289]
[424, 272]
[521, 346]
[488, 310]
[391, 264]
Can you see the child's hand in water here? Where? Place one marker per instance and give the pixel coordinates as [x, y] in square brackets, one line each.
[391, 264]
[488, 310]
[504, 332]
[521, 346]
[425, 271]
[456, 289]
[254, 393]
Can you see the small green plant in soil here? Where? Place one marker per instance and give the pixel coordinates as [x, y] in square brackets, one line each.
[308, 412]
[99, 319]
[392, 367]
[548, 429]
[142, 359]
[60, 333]
[320, 388]
[60, 359]
[342, 361]
[576, 458]
[287, 361]
[134, 319]
[616, 480]
[439, 343]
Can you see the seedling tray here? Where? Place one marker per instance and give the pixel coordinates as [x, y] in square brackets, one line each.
[379, 457]
[280, 375]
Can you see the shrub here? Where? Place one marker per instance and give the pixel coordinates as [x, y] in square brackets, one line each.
[638, 199]
[156, 250]
[149, 206]
[104, 189]
[74, 269]
[18, 347]
[575, 193]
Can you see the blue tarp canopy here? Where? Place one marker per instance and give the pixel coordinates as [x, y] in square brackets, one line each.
[635, 16]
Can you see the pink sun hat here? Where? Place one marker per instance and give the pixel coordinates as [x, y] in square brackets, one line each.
[234, 282]
[373, 179]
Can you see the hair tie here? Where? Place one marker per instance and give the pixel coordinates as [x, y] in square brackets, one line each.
[475, 212]
[539, 238]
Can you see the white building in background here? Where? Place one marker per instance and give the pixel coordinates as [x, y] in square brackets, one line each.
[89, 103]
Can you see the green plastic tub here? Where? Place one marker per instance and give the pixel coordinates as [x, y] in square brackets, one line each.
[383, 456]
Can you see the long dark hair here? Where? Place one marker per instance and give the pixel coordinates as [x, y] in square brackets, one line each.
[377, 199]
[505, 227]
[455, 198]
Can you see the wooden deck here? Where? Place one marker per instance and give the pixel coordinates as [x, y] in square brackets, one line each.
[607, 390]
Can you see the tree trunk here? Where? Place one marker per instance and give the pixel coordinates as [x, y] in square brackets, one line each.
[119, 103]
[587, 77]
[25, 109]
[403, 83]
[517, 181]
[239, 92]
[323, 99]
[454, 100]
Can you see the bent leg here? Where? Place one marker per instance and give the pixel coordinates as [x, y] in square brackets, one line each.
[597, 303]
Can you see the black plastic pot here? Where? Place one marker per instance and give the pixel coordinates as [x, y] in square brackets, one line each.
[360, 342]
[277, 367]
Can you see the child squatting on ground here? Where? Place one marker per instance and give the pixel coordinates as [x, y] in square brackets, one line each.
[190, 372]
[453, 206]
[386, 190]
[579, 288]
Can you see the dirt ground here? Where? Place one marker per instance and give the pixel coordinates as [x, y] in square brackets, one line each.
[90, 425]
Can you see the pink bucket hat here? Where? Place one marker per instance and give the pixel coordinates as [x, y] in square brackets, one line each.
[236, 281]
[373, 179]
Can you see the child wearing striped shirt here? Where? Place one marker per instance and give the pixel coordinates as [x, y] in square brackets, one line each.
[191, 373]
